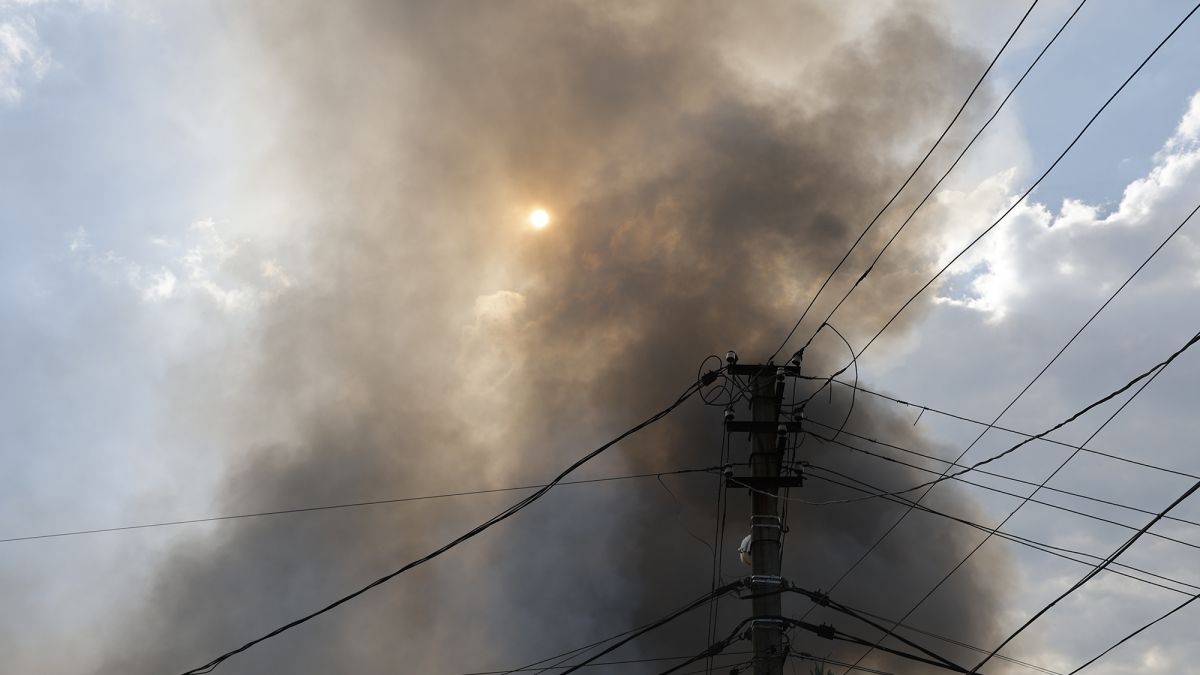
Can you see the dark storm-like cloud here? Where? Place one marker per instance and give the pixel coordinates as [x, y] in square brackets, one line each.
[437, 345]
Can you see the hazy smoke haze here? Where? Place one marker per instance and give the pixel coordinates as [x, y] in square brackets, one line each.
[704, 165]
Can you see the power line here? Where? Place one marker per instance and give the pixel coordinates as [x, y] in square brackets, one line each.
[1148, 373]
[914, 172]
[1006, 492]
[830, 633]
[714, 610]
[1066, 345]
[503, 515]
[1026, 500]
[888, 323]
[1022, 392]
[1091, 573]
[1134, 634]
[713, 649]
[1057, 551]
[805, 656]
[959, 643]
[350, 505]
[1037, 182]
[824, 600]
[1017, 432]
[623, 662]
[723, 590]
[566, 656]
[948, 171]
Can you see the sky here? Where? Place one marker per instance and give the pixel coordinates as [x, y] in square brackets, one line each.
[272, 255]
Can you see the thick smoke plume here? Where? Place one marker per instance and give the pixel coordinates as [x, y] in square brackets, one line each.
[706, 164]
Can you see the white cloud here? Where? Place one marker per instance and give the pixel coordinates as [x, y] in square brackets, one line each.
[1007, 263]
[161, 286]
[1026, 288]
[1188, 131]
[23, 57]
[227, 274]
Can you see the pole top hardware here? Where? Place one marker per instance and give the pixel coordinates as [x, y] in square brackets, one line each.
[736, 426]
[754, 369]
[773, 522]
[766, 580]
[769, 623]
[763, 483]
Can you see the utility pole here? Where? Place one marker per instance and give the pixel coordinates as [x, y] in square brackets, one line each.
[769, 437]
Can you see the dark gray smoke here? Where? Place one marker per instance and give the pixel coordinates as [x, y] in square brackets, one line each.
[706, 164]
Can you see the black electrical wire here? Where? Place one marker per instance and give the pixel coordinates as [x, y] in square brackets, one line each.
[929, 486]
[1057, 551]
[1070, 341]
[985, 472]
[1026, 434]
[907, 180]
[1037, 182]
[1148, 373]
[567, 655]
[713, 649]
[954, 164]
[503, 515]
[1154, 253]
[805, 656]
[1029, 498]
[1052, 361]
[830, 633]
[957, 643]
[1026, 499]
[622, 662]
[1132, 635]
[734, 668]
[1091, 574]
[349, 505]
[719, 539]
[824, 600]
[722, 590]
[854, 391]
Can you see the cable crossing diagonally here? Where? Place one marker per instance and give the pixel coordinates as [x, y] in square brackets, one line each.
[888, 323]
[350, 505]
[1164, 582]
[871, 266]
[690, 391]
[1035, 183]
[1011, 403]
[1090, 575]
[1025, 434]
[990, 488]
[1144, 627]
[1148, 376]
[911, 175]
[1101, 401]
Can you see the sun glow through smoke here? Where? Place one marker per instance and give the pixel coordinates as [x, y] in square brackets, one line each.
[539, 218]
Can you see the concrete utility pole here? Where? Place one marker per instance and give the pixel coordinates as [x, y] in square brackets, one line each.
[766, 527]
[769, 443]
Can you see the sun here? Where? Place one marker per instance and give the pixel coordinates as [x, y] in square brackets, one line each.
[539, 218]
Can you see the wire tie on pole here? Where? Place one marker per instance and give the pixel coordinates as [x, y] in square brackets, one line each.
[772, 623]
[770, 522]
